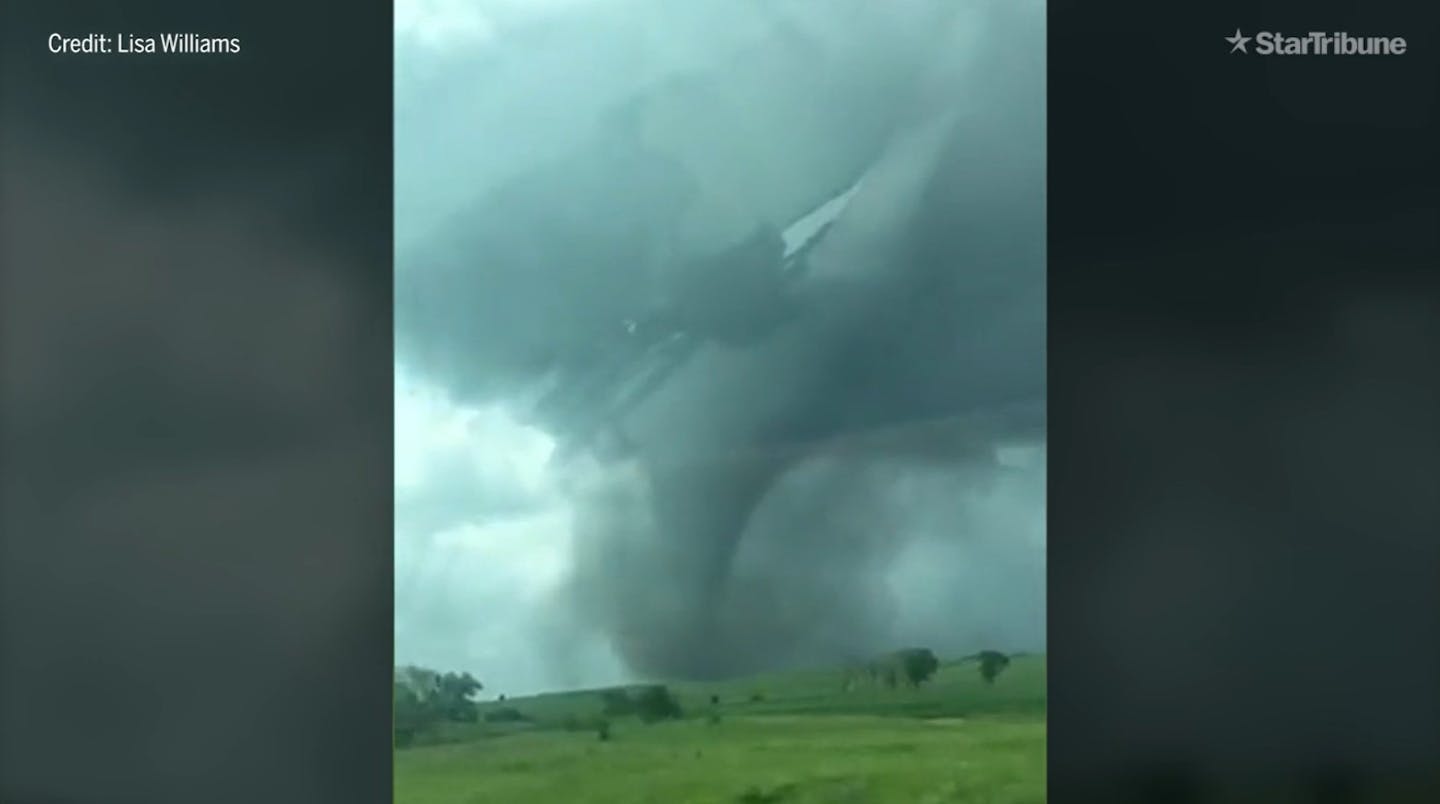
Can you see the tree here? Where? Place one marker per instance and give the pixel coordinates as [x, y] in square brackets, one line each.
[918, 665]
[992, 664]
[454, 694]
[411, 715]
[655, 703]
[424, 698]
[419, 680]
[914, 666]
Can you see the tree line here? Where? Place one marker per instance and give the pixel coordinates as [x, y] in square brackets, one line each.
[425, 698]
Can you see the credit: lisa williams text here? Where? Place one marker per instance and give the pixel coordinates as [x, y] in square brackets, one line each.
[129, 43]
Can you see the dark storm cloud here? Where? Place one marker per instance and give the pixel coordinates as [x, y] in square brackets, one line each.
[769, 496]
[547, 256]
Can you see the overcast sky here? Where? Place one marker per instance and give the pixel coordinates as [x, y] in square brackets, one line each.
[481, 542]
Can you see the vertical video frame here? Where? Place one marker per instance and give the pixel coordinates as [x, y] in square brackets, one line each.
[720, 401]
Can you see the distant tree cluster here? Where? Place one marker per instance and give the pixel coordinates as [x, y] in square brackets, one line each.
[912, 666]
[651, 704]
[915, 666]
[425, 698]
[656, 703]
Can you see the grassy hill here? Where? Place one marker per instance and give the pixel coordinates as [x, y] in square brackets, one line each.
[797, 738]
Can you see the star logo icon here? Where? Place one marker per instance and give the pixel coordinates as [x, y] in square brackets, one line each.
[1238, 41]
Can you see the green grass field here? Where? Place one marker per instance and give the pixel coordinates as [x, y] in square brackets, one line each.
[796, 738]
